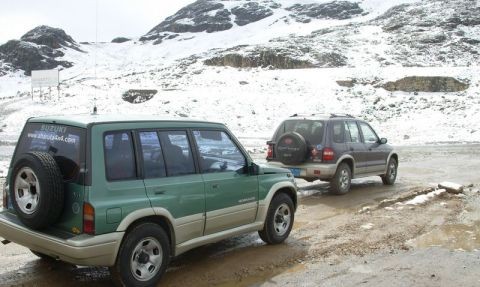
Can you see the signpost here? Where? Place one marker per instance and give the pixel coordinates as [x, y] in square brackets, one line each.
[46, 78]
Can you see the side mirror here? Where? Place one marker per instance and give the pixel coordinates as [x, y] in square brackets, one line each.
[253, 169]
[383, 141]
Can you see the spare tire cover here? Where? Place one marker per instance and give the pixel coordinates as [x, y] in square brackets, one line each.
[37, 189]
[291, 148]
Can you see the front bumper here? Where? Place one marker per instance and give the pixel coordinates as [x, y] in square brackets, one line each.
[310, 171]
[85, 250]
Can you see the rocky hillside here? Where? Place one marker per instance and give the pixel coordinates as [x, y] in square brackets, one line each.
[38, 49]
[424, 33]
[214, 15]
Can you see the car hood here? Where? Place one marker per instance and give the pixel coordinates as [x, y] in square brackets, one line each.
[267, 169]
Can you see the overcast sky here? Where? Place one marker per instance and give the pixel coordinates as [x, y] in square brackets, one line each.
[130, 18]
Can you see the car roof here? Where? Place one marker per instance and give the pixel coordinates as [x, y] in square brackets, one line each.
[84, 120]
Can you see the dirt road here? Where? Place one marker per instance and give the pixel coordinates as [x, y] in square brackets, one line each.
[349, 240]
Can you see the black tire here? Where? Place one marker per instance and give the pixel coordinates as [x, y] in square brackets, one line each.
[391, 175]
[42, 180]
[291, 148]
[270, 233]
[42, 256]
[122, 273]
[340, 183]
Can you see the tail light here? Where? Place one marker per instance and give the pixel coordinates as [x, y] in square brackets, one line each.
[5, 196]
[270, 151]
[88, 218]
[328, 154]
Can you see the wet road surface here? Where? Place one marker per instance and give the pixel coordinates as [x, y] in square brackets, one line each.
[330, 237]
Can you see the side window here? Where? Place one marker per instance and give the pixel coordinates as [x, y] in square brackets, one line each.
[218, 153]
[177, 153]
[353, 132]
[119, 157]
[369, 135]
[348, 139]
[338, 133]
[153, 163]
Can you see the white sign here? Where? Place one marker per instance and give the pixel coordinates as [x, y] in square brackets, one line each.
[45, 78]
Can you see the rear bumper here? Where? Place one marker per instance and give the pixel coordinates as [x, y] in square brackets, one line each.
[310, 171]
[85, 250]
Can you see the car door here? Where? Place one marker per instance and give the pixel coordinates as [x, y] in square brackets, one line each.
[375, 154]
[231, 193]
[355, 146]
[172, 182]
[115, 176]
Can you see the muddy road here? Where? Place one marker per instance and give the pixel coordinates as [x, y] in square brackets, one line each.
[373, 236]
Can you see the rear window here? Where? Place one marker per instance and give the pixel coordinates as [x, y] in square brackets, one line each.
[312, 131]
[66, 144]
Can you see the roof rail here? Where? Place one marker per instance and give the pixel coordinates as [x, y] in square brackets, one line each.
[331, 115]
[341, 116]
[309, 115]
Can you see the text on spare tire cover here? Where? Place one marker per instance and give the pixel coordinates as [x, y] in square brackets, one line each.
[288, 141]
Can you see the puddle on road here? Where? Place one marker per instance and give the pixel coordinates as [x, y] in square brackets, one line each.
[453, 237]
[258, 280]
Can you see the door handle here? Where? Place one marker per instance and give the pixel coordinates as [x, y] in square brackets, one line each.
[352, 149]
[215, 185]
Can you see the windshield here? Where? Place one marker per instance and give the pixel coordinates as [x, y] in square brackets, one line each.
[311, 130]
[66, 145]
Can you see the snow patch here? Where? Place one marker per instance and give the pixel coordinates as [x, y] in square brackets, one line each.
[423, 198]
[367, 226]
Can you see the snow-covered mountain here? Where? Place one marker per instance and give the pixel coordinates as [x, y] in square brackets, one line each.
[250, 64]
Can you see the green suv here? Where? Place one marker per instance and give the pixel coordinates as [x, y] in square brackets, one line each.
[131, 193]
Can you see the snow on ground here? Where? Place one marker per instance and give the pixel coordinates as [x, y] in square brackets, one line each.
[421, 199]
[253, 108]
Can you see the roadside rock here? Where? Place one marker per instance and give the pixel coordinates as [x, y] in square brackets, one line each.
[426, 84]
[120, 40]
[451, 187]
[339, 10]
[250, 12]
[346, 83]
[433, 38]
[330, 59]
[138, 96]
[274, 58]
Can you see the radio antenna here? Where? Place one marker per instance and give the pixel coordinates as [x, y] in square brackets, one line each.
[95, 57]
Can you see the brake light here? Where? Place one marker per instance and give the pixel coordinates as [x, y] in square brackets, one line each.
[88, 218]
[328, 154]
[270, 151]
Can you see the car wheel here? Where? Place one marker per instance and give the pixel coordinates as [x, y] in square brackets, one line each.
[391, 175]
[143, 256]
[279, 221]
[37, 189]
[340, 183]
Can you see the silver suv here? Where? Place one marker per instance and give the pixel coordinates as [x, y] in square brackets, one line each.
[334, 148]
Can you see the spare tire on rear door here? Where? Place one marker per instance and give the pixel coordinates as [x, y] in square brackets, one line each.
[291, 148]
[37, 189]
